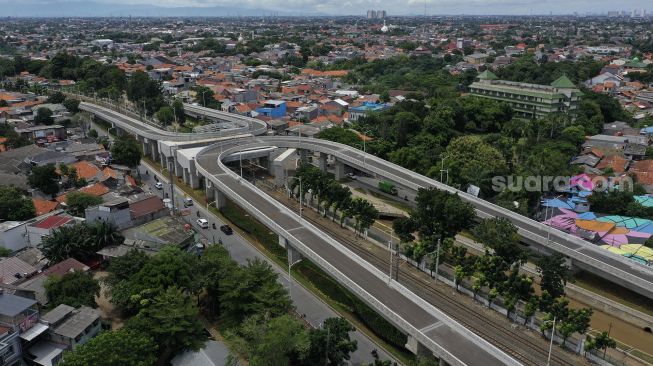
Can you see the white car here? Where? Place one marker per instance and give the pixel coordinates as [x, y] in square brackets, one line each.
[158, 185]
[203, 223]
[351, 176]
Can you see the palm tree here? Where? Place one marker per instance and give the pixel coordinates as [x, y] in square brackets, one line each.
[105, 234]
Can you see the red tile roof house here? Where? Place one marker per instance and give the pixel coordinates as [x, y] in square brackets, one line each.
[35, 284]
[38, 230]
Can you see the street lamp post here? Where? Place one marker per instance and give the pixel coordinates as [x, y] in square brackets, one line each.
[437, 260]
[442, 170]
[553, 333]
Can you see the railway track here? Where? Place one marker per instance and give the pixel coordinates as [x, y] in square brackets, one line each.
[521, 348]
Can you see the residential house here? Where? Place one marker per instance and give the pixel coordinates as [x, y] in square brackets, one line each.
[17, 316]
[43, 134]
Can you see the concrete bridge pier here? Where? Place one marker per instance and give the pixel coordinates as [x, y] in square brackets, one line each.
[146, 146]
[214, 196]
[339, 170]
[322, 162]
[154, 151]
[294, 255]
[303, 156]
[417, 348]
[194, 179]
[179, 171]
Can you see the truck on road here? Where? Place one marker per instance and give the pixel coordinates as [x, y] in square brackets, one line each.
[387, 187]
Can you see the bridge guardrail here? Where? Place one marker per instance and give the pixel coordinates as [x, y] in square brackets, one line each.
[474, 338]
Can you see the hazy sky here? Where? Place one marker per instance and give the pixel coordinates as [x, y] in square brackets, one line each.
[394, 7]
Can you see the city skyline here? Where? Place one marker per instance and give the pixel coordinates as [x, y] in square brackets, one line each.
[312, 7]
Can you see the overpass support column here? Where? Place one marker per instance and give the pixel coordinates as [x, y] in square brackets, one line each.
[417, 348]
[322, 163]
[179, 171]
[303, 155]
[186, 175]
[340, 170]
[293, 254]
[220, 199]
[194, 178]
[154, 151]
[146, 148]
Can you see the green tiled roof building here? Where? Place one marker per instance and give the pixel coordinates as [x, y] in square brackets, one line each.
[529, 100]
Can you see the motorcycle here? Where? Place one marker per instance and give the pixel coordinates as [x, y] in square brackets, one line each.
[214, 226]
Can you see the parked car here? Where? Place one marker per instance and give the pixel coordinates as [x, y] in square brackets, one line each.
[203, 223]
[226, 229]
[158, 185]
[188, 202]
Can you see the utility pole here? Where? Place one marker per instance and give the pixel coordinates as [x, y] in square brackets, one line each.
[172, 182]
[553, 333]
[437, 260]
[390, 249]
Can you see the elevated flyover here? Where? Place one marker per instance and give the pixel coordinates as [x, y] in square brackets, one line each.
[583, 254]
[428, 328]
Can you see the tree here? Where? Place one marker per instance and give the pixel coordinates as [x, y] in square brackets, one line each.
[171, 319]
[43, 117]
[441, 214]
[165, 115]
[601, 342]
[105, 234]
[44, 178]
[79, 241]
[78, 202]
[501, 235]
[577, 321]
[178, 109]
[555, 273]
[126, 150]
[145, 92]
[469, 160]
[74, 289]
[205, 97]
[170, 267]
[14, 140]
[253, 289]
[124, 267]
[215, 266]
[363, 212]
[56, 98]
[93, 133]
[122, 347]
[14, 206]
[72, 105]
[331, 344]
[278, 341]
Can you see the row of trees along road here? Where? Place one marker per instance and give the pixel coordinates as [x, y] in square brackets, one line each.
[331, 195]
[162, 297]
[440, 216]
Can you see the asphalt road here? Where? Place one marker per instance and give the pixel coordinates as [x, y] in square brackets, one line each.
[458, 345]
[241, 251]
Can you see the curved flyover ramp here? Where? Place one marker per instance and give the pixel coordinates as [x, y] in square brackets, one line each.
[422, 321]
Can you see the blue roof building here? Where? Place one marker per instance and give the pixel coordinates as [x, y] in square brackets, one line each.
[366, 108]
[273, 109]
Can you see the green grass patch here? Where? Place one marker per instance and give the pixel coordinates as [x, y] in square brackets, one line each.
[254, 228]
[613, 292]
[354, 306]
